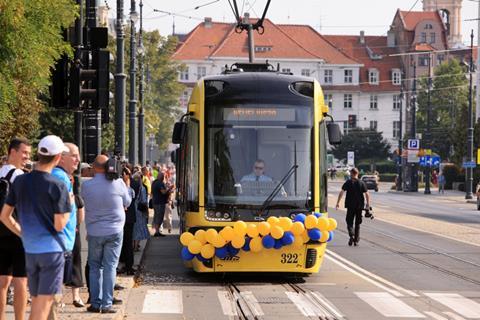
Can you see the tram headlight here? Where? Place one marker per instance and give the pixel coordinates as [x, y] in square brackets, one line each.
[217, 216]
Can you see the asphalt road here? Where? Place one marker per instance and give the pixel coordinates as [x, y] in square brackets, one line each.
[408, 265]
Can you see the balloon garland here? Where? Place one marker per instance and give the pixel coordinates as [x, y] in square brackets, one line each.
[274, 233]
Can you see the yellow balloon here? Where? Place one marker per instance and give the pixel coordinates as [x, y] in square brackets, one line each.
[310, 221]
[200, 236]
[240, 228]
[323, 224]
[186, 237]
[256, 244]
[332, 224]
[238, 241]
[276, 232]
[305, 236]
[297, 228]
[273, 221]
[285, 223]
[210, 235]
[227, 233]
[219, 241]
[194, 246]
[297, 242]
[263, 228]
[324, 236]
[252, 230]
[207, 251]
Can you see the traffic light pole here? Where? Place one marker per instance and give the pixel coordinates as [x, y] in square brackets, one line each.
[132, 102]
[141, 116]
[469, 170]
[78, 113]
[120, 79]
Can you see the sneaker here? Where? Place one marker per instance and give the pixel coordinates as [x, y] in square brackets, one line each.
[109, 310]
[93, 309]
[117, 301]
[350, 242]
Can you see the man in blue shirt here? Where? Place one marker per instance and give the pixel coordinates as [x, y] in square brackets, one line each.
[105, 204]
[43, 207]
[258, 173]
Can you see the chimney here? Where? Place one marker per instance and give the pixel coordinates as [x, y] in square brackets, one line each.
[362, 37]
[391, 38]
[208, 23]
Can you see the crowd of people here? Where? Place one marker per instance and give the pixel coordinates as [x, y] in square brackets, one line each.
[43, 205]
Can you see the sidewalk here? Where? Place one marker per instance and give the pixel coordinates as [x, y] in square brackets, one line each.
[452, 195]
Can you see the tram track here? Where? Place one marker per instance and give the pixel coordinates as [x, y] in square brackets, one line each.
[418, 260]
[245, 303]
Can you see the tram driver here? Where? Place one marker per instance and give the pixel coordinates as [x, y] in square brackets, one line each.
[258, 173]
[258, 183]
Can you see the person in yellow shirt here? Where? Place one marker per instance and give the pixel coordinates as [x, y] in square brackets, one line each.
[146, 180]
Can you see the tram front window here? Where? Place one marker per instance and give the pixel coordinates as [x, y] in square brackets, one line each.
[254, 154]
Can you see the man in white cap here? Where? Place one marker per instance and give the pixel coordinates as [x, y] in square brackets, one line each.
[43, 206]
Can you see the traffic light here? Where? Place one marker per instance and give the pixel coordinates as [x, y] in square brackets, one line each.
[352, 121]
[101, 63]
[59, 87]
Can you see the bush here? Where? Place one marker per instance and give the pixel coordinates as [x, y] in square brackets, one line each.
[387, 177]
[451, 173]
[382, 166]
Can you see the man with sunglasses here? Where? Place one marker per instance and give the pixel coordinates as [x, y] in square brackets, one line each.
[258, 173]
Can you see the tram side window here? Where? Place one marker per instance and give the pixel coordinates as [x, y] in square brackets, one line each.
[192, 166]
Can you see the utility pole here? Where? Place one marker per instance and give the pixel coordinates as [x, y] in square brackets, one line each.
[120, 79]
[427, 137]
[400, 141]
[78, 46]
[132, 102]
[469, 170]
[141, 116]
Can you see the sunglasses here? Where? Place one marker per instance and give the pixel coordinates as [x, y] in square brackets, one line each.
[259, 168]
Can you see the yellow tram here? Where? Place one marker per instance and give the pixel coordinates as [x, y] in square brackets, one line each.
[253, 146]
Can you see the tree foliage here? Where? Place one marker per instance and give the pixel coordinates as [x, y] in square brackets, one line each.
[30, 42]
[366, 143]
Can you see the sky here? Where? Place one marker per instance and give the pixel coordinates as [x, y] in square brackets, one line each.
[326, 16]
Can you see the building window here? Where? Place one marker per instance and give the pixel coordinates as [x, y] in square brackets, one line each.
[262, 49]
[423, 37]
[423, 60]
[428, 26]
[432, 37]
[347, 101]
[373, 125]
[396, 77]
[348, 76]
[373, 102]
[306, 72]
[396, 129]
[373, 77]
[396, 102]
[328, 76]
[201, 72]
[345, 127]
[286, 70]
[328, 100]
[184, 74]
[440, 58]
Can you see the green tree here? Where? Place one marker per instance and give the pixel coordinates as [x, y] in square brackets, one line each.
[30, 42]
[366, 143]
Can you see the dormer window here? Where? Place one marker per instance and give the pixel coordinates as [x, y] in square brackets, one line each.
[373, 76]
[396, 77]
[428, 26]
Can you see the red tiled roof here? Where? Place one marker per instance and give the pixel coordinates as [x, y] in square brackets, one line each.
[423, 47]
[378, 45]
[412, 18]
[286, 41]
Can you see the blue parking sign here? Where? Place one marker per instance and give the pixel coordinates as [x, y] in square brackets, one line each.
[413, 144]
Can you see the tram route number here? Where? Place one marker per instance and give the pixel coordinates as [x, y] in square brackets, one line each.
[289, 258]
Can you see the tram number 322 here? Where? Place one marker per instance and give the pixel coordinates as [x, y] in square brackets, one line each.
[289, 258]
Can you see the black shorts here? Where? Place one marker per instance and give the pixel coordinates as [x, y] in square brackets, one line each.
[12, 257]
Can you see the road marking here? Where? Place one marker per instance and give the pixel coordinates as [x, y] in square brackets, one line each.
[453, 316]
[252, 303]
[372, 278]
[461, 305]
[226, 301]
[307, 307]
[163, 301]
[388, 305]
[434, 316]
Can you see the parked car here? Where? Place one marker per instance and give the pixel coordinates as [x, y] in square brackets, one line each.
[371, 181]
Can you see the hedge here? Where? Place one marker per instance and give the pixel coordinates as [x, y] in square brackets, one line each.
[382, 166]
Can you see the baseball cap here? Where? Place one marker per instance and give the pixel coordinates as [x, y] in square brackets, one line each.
[51, 146]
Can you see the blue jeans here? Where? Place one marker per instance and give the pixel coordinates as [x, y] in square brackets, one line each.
[103, 256]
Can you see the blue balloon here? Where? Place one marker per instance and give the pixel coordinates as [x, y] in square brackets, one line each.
[221, 252]
[314, 234]
[232, 251]
[317, 214]
[278, 244]
[287, 238]
[186, 255]
[246, 246]
[300, 217]
[268, 241]
[330, 236]
[200, 258]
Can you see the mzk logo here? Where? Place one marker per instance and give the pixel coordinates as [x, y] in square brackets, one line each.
[231, 258]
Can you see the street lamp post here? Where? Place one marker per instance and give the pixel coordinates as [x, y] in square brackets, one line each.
[469, 170]
[120, 79]
[141, 116]
[427, 139]
[132, 102]
[400, 141]
[413, 167]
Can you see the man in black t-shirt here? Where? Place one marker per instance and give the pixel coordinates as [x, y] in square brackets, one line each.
[160, 193]
[354, 202]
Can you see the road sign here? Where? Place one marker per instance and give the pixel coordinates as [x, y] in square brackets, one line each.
[436, 161]
[469, 164]
[413, 156]
[351, 158]
[413, 144]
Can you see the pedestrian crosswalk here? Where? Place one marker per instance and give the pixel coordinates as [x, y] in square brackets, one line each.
[315, 304]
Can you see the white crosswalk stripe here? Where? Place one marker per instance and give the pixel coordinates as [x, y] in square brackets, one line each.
[163, 301]
[227, 303]
[435, 316]
[453, 316]
[388, 305]
[461, 305]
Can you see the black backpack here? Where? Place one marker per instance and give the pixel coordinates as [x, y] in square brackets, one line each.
[4, 189]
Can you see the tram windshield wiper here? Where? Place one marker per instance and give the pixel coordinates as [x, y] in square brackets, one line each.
[277, 189]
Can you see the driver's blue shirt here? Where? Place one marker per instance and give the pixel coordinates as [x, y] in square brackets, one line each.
[253, 177]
